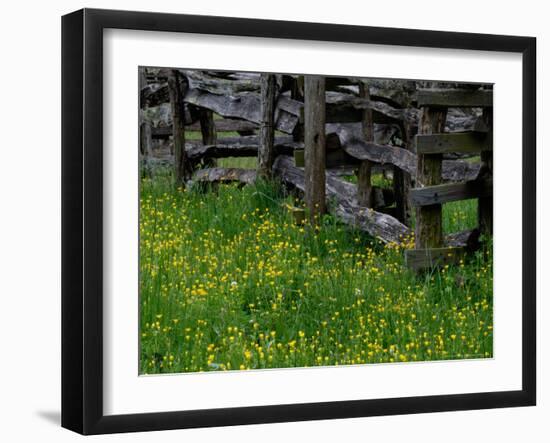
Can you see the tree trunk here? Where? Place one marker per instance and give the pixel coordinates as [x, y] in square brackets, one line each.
[315, 156]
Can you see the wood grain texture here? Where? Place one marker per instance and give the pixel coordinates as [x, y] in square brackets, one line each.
[177, 87]
[467, 142]
[438, 194]
[455, 98]
[266, 151]
[343, 203]
[364, 186]
[314, 142]
[429, 229]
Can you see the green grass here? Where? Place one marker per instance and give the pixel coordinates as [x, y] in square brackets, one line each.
[228, 281]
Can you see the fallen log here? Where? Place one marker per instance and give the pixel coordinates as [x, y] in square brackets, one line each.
[341, 198]
[225, 175]
[246, 146]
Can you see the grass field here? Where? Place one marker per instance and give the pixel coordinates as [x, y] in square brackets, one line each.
[229, 281]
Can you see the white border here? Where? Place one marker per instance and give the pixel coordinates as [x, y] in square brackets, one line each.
[125, 392]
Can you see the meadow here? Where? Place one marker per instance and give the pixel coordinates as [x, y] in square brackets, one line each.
[228, 281]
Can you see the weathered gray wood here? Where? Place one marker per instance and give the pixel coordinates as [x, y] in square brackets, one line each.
[208, 132]
[454, 98]
[468, 239]
[374, 152]
[485, 204]
[225, 175]
[429, 226]
[246, 146]
[266, 153]
[452, 170]
[246, 106]
[146, 142]
[225, 125]
[342, 198]
[438, 194]
[177, 87]
[145, 133]
[345, 108]
[457, 142]
[207, 126]
[364, 186]
[314, 142]
[420, 259]
[402, 180]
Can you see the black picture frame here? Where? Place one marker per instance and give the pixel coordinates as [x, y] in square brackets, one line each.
[82, 219]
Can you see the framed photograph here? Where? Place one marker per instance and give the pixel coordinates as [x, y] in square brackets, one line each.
[269, 221]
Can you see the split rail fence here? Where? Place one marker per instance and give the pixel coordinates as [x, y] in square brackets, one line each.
[310, 130]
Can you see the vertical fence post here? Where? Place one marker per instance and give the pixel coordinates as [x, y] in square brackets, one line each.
[429, 229]
[266, 152]
[402, 182]
[177, 88]
[297, 93]
[485, 204]
[364, 185]
[314, 140]
[146, 141]
[208, 132]
[145, 131]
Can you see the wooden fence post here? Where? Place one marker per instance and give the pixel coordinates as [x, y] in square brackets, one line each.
[297, 93]
[177, 88]
[485, 204]
[145, 130]
[314, 144]
[402, 182]
[208, 132]
[364, 185]
[146, 141]
[266, 152]
[429, 229]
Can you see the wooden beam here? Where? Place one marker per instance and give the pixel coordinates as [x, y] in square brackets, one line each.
[345, 108]
[225, 175]
[266, 151]
[420, 259]
[429, 225]
[314, 142]
[436, 195]
[225, 125]
[246, 106]
[177, 87]
[466, 142]
[246, 146]
[455, 98]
